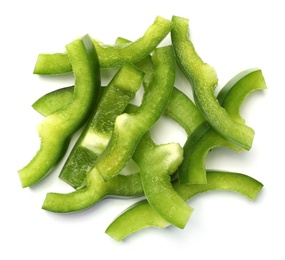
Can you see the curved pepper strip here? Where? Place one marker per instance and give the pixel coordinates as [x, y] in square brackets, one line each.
[110, 55]
[238, 89]
[141, 215]
[204, 80]
[95, 190]
[157, 163]
[97, 133]
[204, 138]
[55, 130]
[129, 128]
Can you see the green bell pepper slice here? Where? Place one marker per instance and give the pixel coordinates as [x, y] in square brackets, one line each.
[204, 138]
[129, 128]
[95, 190]
[110, 55]
[199, 143]
[204, 80]
[97, 133]
[56, 129]
[157, 163]
[141, 215]
[233, 94]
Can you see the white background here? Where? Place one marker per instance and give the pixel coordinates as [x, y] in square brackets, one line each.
[229, 35]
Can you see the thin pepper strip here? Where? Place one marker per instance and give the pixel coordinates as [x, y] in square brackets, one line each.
[204, 80]
[157, 163]
[55, 130]
[204, 138]
[95, 190]
[110, 55]
[129, 128]
[141, 215]
[233, 94]
[97, 133]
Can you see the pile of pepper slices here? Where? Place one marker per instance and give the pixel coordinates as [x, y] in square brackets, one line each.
[116, 131]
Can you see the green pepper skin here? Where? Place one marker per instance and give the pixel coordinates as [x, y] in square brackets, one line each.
[97, 133]
[129, 128]
[110, 55]
[55, 130]
[141, 215]
[204, 80]
[157, 163]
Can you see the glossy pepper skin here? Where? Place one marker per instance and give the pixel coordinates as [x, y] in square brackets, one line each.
[110, 55]
[55, 130]
[204, 80]
[141, 215]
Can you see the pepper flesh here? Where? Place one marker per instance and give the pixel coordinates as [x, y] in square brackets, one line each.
[141, 215]
[56, 129]
[204, 80]
[54, 101]
[110, 55]
[97, 133]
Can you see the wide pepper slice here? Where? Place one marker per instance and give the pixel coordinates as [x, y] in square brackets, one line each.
[110, 55]
[55, 130]
[204, 80]
[97, 133]
[141, 215]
